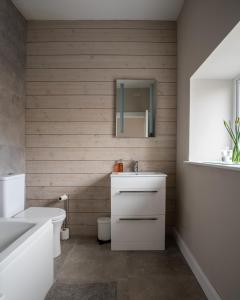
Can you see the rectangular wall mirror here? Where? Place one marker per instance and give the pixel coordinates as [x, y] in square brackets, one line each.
[135, 108]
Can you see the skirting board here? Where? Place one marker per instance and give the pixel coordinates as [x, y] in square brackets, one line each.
[202, 279]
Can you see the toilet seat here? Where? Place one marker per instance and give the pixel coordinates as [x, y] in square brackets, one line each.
[55, 214]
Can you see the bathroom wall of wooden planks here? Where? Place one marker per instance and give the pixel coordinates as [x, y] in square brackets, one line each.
[70, 84]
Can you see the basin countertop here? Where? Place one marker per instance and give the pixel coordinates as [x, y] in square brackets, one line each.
[122, 174]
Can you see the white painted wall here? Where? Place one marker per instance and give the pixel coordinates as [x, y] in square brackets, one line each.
[208, 198]
[211, 102]
[223, 62]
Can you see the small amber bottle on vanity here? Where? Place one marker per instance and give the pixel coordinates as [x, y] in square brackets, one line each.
[116, 166]
[120, 166]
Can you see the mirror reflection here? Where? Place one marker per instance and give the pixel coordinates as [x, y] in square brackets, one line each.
[135, 108]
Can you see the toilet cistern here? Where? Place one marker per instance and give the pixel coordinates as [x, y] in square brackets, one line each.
[12, 204]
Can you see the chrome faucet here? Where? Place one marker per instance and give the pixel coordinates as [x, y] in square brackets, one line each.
[135, 166]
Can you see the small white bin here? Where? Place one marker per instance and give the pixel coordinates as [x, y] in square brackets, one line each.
[104, 229]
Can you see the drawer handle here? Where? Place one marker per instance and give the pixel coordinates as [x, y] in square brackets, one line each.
[138, 219]
[153, 191]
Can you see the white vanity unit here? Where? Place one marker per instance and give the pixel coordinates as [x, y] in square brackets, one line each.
[138, 203]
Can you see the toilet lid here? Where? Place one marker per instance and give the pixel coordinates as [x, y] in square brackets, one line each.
[53, 213]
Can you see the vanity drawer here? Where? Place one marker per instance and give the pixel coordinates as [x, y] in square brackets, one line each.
[137, 201]
[141, 182]
[138, 233]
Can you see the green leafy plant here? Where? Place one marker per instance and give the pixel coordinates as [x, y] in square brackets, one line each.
[235, 136]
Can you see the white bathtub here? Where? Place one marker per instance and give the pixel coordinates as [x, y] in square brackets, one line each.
[26, 259]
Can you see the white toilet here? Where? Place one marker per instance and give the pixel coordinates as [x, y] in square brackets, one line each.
[12, 203]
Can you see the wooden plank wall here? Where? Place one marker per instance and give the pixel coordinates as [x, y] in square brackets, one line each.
[70, 84]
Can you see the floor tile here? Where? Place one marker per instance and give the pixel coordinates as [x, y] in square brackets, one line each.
[140, 275]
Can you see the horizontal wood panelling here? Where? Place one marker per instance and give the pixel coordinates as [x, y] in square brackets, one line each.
[87, 88]
[75, 193]
[79, 101]
[71, 167]
[106, 48]
[42, 203]
[171, 193]
[70, 89]
[162, 128]
[102, 75]
[89, 206]
[51, 193]
[85, 218]
[101, 35]
[96, 141]
[102, 24]
[69, 128]
[166, 102]
[67, 180]
[168, 167]
[166, 128]
[87, 101]
[166, 114]
[70, 115]
[100, 61]
[148, 154]
[78, 114]
[76, 180]
[170, 205]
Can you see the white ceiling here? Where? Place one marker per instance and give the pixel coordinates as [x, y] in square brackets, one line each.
[224, 61]
[99, 9]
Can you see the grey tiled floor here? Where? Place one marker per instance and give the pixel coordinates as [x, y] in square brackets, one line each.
[147, 275]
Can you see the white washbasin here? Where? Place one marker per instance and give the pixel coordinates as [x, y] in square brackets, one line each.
[138, 174]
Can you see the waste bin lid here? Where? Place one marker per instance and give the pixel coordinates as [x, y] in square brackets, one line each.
[103, 220]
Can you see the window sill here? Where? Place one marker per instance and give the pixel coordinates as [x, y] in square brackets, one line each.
[215, 164]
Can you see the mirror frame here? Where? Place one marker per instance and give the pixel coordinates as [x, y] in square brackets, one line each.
[151, 114]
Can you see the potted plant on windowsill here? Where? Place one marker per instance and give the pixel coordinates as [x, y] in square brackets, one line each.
[235, 137]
